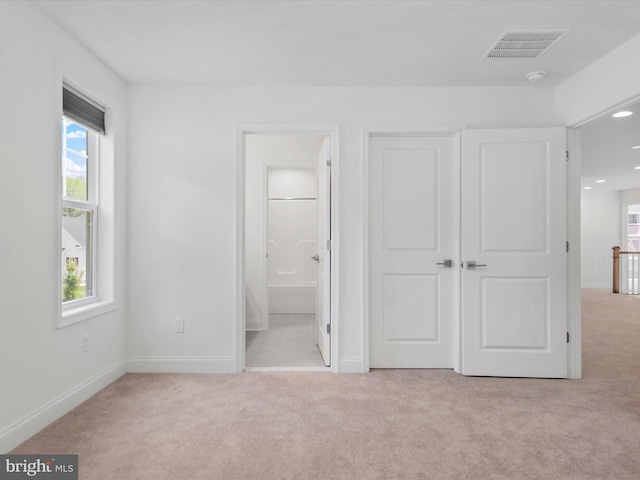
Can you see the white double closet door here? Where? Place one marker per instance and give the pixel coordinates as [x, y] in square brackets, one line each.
[435, 211]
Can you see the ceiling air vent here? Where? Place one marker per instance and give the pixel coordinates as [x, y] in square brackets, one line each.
[524, 44]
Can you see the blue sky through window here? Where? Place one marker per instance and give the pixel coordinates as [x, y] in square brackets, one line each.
[74, 153]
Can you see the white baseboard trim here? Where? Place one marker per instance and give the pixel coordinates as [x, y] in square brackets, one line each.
[25, 428]
[287, 369]
[351, 365]
[181, 365]
[596, 285]
[254, 325]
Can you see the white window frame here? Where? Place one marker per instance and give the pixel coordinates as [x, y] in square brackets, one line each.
[91, 204]
[103, 299]
[627, 214]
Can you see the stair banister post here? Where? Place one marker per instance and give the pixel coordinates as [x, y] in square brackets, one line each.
[616, 269]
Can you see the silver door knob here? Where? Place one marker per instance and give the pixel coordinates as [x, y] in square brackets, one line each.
[316, 258]
[446, 263]
[471, 265]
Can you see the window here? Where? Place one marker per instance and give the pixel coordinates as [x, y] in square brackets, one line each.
[82, 126]
[633, 228]
[79, 211]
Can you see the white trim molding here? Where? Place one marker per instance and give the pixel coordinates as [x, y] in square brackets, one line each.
[574, 295]
[352, 365]
[181, 364]
[26, 427]
[255, 325]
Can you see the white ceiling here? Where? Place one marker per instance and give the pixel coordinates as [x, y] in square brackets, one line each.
[361, 43]
[339, 42]
[606, 151]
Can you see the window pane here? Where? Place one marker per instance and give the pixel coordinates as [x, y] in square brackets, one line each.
[77, 234]
[74, 159]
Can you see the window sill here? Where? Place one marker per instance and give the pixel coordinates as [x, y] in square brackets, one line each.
[85, 312]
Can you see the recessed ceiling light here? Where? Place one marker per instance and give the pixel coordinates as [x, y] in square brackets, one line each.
[587, 188]
[600, 181]
[622, 114]
[635, 148]
[638, 167]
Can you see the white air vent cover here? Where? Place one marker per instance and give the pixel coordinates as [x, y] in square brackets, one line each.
[524, 44]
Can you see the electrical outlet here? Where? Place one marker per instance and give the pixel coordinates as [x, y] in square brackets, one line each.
[179, 325]
[85, 343]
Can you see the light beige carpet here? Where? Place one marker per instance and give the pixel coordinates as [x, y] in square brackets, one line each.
[389, 424]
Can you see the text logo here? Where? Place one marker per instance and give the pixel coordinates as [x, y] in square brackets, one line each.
[49, 467]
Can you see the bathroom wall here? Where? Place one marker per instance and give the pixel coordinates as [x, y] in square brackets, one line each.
[292, 232]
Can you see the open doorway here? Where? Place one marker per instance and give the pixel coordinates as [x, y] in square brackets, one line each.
[610, 193]
[610, 190]
[286, 251]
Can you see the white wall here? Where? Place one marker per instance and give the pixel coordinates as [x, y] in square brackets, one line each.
[630, 197]
[606, 83]
[43, 372]
[600, 230]
[183, 214]
[292, 182]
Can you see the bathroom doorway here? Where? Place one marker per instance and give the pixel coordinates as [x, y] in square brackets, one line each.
[284, 253]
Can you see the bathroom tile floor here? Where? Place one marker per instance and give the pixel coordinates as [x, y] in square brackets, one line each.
[290, 341]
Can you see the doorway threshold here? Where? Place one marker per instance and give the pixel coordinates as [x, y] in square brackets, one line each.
[287, 369]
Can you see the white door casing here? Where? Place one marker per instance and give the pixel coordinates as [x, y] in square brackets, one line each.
[323, 282]
[242, 131]
[514, 320]
[411, 234]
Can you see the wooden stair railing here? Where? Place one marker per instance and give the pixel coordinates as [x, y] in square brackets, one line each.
[616, 271]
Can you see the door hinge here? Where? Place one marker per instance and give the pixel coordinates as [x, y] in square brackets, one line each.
[329, 245]
[328, 161]
[567, 337]
[567, 246]
[567, 155]
[328, 329]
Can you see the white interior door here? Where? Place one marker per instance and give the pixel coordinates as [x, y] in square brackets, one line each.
[514, 227]
[323, 282]
[412, 207]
